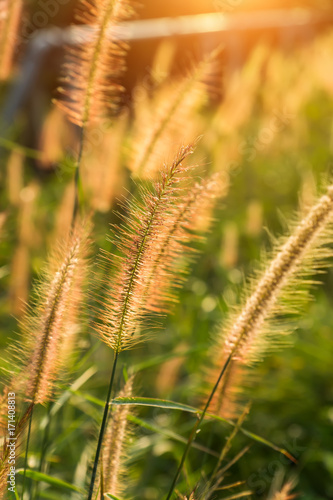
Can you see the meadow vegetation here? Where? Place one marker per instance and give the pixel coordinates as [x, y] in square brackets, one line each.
[166, 275]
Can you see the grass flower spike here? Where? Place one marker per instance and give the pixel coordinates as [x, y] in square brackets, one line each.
[246, 339]
[278, 291]
[190, 217]
[44, 331]
[95, 67]
[114, 446]
[149, 240]
[138, 242]
[155, 234]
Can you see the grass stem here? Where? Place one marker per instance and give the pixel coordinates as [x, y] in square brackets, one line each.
[27, 450]
[77, 179]
[102, 429]
[197, 426]
[45, 443]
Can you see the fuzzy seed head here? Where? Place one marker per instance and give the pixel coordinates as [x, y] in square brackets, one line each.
[155, 251]
[93, 69]
[248, 335]
[45, 332]
[114, 444]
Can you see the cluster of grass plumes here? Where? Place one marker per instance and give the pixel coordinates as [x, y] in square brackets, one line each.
[144, 272]
[154, 236]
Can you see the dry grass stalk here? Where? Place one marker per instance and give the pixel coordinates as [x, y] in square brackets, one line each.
[247, 336]
[95, 67]
[45, 326]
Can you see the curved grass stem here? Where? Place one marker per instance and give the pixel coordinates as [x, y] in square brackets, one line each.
[197, 426]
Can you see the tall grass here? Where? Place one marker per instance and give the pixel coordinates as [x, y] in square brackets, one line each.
[160, 408]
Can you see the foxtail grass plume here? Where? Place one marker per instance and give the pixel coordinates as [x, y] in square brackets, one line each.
[278, 291]
[190, 218]
[150, 241]
[114, 445]
[169, 118]
[10, 11]
[93, 69]
[45, 328]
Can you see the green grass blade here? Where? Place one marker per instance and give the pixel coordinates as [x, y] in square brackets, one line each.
[14, 146]
[169, 434]
[157, 403]
[67, 392]
[45, 478]
[172, 405]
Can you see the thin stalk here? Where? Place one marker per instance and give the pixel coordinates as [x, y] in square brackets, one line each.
[217, 470]
[26, 450]
[227, 446]
[77, 178]
[102, 429]
[197, 426]
[44, 446]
